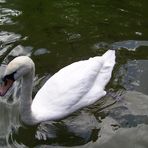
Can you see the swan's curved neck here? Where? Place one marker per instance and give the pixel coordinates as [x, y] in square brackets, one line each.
[26, 98]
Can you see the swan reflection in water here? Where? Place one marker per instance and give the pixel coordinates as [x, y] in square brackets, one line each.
[75, 130]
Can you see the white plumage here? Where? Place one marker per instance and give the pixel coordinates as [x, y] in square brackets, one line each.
[73, 87]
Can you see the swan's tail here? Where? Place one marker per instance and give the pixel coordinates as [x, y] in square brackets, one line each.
[107, 68]
[109, 58]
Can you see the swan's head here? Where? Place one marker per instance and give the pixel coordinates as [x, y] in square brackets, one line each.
[17, 68]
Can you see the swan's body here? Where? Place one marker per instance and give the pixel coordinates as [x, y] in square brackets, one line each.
[73, 87]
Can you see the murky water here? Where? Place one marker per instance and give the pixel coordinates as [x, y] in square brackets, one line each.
[56, 33]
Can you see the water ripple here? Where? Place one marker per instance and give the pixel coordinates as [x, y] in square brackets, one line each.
[130, 45]
[6, 15]
[2, 1]
[8, 37]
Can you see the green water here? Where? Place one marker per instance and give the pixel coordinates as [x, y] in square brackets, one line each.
[56, 33]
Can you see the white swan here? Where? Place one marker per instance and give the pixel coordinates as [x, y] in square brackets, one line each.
[73, 87]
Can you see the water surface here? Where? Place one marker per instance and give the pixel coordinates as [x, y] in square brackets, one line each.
[56, 33]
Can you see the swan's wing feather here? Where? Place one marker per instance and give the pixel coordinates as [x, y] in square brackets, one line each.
[103, 77]
[62, 93]
[67, 87]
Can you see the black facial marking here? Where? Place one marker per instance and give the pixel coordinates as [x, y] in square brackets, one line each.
[10, 77]
[5, 82]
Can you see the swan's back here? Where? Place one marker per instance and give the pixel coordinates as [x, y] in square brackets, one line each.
[73, 87]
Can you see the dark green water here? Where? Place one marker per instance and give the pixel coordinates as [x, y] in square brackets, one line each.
[56, 33]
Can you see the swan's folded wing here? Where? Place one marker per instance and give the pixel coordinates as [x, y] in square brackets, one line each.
[97, 90]
[66, 87]
[62, 93]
